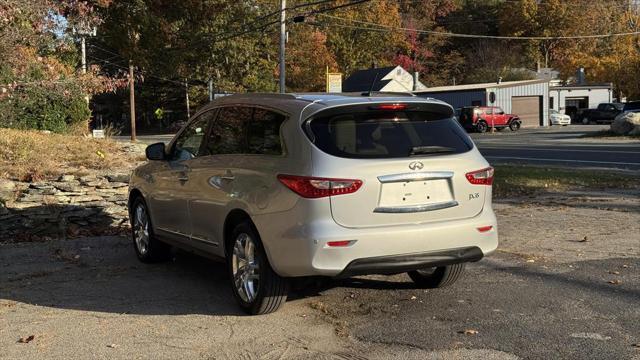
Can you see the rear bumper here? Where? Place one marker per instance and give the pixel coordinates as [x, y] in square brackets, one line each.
[296, 243]
[403, 263]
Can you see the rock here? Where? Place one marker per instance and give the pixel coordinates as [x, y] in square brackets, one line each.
[7, 190]
[67, 178]
[88, 178]
[85, 198]
[118, 178]
[69, 186]
[626, 123]
[3, 209]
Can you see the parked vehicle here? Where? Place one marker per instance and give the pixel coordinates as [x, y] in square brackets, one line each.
[631, 106]
[483, 118]
[288, 186]
[605, 112]
[557, 118]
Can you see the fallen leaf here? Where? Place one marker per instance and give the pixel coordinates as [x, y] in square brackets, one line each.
[26, 340]
[625, 266]
[468, 332]
[113, 346]
[614, 272]
[615, 282]
[531, 261]
[413, 297]
[584, 239]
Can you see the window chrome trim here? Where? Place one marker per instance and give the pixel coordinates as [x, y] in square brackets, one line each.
[416, 176]
[415, 208]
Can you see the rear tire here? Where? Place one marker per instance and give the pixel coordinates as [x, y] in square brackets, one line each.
[148, 248]
[586, 121]
[256, 287]
[438, 277]
[481, 127]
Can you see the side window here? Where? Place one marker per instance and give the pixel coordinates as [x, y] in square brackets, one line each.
[188, 144]
[264, 133]
[499, 111]
[227, 134]
[489, 111]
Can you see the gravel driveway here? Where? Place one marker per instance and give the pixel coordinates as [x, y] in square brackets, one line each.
[548, 293]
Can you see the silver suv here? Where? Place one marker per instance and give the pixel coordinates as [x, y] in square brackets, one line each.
[296, 185]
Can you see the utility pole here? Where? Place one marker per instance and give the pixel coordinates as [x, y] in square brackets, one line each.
[83, 47]
[132, 102]
[283, 36]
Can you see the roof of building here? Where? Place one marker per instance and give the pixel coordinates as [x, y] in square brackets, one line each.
[582, 87]
[362, 80]
[467, 87]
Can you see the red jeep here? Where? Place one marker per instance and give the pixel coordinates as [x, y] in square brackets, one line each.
[482, 118]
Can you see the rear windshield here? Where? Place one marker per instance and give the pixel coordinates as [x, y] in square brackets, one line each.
[388, 134]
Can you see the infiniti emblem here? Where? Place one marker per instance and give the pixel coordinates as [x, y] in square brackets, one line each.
[416, 165]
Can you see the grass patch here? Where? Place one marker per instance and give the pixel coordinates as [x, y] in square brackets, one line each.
[512, 181]
[609, 134]
[34, 155]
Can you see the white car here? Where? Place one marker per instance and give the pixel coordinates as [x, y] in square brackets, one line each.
[283, 186]
[557, 118]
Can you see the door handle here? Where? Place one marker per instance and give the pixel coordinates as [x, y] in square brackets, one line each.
[227, 177]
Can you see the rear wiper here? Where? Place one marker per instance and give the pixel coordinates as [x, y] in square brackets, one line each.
[422, 150]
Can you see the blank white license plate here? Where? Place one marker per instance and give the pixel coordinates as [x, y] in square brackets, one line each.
[415, 193]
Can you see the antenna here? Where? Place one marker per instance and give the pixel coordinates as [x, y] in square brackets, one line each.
[373, 83]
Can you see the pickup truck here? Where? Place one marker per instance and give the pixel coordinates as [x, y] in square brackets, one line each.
[605, 112]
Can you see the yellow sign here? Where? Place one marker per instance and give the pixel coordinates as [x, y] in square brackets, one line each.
[334, 82]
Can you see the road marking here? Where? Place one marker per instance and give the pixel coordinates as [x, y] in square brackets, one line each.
[561, 160]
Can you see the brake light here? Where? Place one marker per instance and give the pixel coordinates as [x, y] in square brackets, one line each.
[314, 187]
[481, 177]
[390, 107]
[483, 229]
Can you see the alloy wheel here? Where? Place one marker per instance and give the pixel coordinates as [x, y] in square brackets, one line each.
[141, 229]
[245, 268]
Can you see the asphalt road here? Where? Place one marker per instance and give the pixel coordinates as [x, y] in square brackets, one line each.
[562, 146]
[559, 146]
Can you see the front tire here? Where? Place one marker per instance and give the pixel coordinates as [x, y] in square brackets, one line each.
[256, 287]
[148, 248]
[514, 125]
[586, 121]
[437, 277]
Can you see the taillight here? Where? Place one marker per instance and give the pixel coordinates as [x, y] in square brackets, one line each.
[481, 177]
[314, 187]
[388, 107]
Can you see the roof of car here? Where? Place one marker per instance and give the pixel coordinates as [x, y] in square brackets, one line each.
[297, 103]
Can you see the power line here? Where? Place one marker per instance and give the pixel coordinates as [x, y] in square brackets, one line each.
[388, 28]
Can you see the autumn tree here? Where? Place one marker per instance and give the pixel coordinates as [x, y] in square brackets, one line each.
[307, 59]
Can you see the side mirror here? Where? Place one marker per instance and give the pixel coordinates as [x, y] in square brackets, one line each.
[155, 151]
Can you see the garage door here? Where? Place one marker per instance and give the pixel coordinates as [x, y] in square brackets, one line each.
[528, 108]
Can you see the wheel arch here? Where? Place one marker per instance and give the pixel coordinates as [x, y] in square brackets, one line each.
[133, 195]
[234, 217]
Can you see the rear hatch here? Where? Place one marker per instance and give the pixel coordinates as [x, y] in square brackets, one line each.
[412, 158]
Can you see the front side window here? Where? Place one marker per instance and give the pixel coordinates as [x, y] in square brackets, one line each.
[189, 143]
[228, 131]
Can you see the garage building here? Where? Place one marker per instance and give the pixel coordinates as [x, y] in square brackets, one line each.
[528, 99]
[571, 99]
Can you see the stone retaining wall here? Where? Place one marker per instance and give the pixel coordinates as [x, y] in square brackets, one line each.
[70, 206]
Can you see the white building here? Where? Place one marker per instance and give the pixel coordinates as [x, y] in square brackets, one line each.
[570, 99]
[386, 79]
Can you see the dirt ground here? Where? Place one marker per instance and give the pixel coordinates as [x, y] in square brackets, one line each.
[565, 283]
